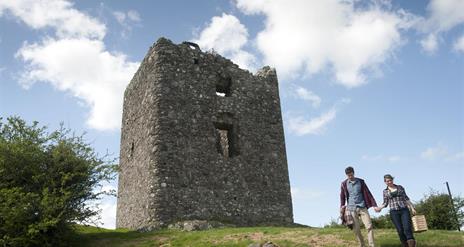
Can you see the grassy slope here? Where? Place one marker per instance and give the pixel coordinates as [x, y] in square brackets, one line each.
[283, 236]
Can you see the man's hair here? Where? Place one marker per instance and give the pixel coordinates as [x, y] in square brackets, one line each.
[349, 170]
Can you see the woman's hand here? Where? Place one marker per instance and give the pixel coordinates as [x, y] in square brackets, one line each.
[377, 209]
[411, 208]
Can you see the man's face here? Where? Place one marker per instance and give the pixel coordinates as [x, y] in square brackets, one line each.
[350, 176]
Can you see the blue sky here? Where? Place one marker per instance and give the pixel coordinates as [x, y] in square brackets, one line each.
[373, 84]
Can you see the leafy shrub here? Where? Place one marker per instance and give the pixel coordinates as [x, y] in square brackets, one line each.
[439, 212]
[46, 183]
[334, 224]
[383, 221]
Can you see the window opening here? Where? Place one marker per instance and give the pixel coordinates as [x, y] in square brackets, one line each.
[223, 86]
[225, 140]
[131, 149]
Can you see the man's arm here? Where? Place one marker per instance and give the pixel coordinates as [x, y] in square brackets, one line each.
[371, 198]
[342, 196]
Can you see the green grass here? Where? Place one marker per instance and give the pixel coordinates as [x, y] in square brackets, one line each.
[243, 236]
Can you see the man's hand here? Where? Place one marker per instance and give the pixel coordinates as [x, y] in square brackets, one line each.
[413, 211]
[342, 209]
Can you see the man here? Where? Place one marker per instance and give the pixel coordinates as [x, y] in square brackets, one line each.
[358, 199]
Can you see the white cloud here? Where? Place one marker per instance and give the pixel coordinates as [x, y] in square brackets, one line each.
[107, 207]
[57, 14]
[309, 96]
[84, 68]
[434, 152]
[380, 157]
[76, 60]
[371, 158]
[227, 36]
[305, 193]
[430, 44]
[443, 15]
[108, 214]
[244, 60]
[459, 44]
[331, 34]
[315, 126]
[224, 34]
[394, 158]
[441, 152]
[300, 125]
[133, 15]
[127, 20]
[456, 157]
[120, 16]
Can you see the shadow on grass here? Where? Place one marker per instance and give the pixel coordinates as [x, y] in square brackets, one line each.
[107, 237]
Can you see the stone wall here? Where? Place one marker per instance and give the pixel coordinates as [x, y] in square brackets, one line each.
[201, 140]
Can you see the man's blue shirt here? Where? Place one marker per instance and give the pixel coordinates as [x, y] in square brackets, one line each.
[355, 199]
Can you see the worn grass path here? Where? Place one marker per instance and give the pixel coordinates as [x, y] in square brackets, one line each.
[244, 236]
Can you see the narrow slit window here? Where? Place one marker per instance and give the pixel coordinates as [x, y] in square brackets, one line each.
[220, 94]
[131, 149]
[225, 140]
[223, 86]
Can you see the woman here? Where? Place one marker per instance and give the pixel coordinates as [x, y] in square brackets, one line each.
[395, 197]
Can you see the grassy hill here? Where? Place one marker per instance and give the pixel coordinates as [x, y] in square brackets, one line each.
[244, 236]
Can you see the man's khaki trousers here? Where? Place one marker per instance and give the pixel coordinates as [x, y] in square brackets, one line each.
[361, 214]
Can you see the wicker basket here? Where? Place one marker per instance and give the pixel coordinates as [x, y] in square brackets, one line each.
[419, 223]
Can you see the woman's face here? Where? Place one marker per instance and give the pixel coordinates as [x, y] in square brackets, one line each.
[389, 182]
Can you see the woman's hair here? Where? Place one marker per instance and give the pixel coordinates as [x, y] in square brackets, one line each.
[387, 176]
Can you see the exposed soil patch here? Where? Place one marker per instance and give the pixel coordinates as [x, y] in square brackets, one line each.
[298, 237]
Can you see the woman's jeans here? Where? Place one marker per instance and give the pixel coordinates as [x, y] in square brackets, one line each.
[402, 220]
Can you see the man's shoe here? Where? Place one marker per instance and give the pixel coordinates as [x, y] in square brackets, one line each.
[404, 244]
[412, 243]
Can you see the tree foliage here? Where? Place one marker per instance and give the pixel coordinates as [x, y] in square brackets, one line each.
[47, 181]
[383, 221]
[439, 212]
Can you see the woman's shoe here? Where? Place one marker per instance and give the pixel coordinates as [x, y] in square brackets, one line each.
[404, 244]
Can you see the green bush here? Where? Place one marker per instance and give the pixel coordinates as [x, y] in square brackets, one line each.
[334, 224]
[46, 183]
[383, 221]
[439, 211]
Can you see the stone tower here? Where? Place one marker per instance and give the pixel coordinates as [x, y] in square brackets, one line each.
[201, 139]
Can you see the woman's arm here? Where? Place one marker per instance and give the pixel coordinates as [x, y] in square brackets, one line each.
[408, 202]
[385, 202]
[411, 207]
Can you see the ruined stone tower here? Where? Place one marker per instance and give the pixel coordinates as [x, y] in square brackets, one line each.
[201, 139]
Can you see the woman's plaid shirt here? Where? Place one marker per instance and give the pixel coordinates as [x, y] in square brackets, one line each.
[395, 202]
